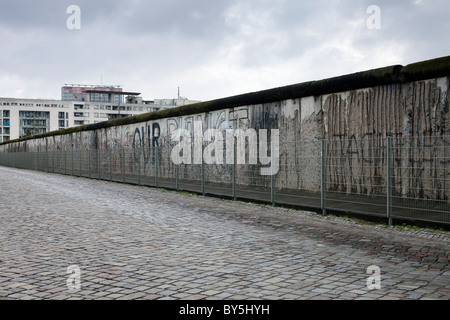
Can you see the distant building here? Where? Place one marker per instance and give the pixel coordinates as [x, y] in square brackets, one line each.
[79, 105]
[78, 93]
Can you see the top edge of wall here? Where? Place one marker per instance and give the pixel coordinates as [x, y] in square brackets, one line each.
[396, 74]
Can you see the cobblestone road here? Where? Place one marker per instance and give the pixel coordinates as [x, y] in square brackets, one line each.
[134, 242]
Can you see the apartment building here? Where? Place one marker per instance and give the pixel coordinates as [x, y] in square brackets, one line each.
[79, 105]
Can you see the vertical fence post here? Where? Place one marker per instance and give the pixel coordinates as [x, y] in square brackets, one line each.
[139, 166]
[203, 171]
[72, 163]
[156, 164]
[110, 163]
[234, 172]
[272, 188]
[53, 160]
[123, 164]
[389, 180]
[89, 163]
[445, 160]
[99, 163]
[177, 174]
[323, 181]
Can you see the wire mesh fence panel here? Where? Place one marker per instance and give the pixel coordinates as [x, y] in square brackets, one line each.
[78, 163]
[148, 166]
[421, 178]
[394, 177]
[130, 167]
[116, 164]
[356, 175]
[190, 178]
[66, 155]
[59, 167]
[188, 171]
[297, 181]
[166, 168]
[217, 176]
[91, 166]
[250, 184]
[46, 161]
[103, 164]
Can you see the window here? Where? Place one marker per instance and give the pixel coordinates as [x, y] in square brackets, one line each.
[6, 113]
[61, 115]
[34, 122]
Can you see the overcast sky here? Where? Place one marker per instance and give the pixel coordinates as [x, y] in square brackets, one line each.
[209, 48]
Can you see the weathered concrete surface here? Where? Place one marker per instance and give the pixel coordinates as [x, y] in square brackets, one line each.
[354, 123]
[140, 243]
[355, 120]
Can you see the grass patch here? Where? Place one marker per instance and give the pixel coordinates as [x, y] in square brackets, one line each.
[404, 226]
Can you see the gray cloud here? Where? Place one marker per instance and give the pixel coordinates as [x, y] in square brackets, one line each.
[209, 48]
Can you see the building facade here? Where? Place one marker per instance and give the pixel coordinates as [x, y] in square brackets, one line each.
[79, 105]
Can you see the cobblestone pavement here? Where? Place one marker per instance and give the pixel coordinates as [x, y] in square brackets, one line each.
[133, 242]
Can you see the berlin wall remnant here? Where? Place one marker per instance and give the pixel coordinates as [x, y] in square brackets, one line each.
[353, 113]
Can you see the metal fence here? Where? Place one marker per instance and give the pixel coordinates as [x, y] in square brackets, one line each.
[404, 178]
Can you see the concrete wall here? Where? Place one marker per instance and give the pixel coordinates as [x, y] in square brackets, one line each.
[354, 113]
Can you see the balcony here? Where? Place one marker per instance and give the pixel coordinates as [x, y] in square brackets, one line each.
[81, 115]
